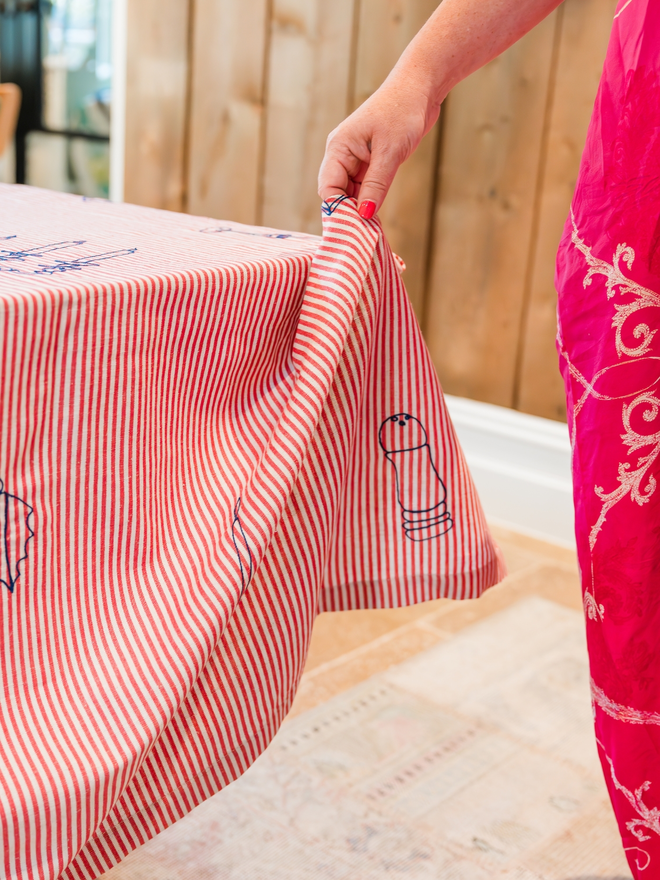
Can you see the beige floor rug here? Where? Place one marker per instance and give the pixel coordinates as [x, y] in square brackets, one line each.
[474, 760]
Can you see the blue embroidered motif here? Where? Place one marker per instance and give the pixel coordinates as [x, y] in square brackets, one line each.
[21, 256]
[329, 206]
[421, 494]
[15, 532]
[214, 229]
[74, 264]
[79, 263]
[242, 548]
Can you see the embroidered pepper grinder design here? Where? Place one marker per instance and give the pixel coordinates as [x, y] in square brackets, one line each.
[15, 532]
[421, 494]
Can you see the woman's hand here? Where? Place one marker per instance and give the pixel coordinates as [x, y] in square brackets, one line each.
[364, 153]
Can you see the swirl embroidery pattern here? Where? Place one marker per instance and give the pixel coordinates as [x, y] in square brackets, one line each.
[634, 479]
[649, 817]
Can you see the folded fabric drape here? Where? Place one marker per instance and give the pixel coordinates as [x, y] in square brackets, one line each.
[209, 433]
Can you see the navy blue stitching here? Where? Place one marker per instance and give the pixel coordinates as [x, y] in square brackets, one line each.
[329, 206]
[6, 497]
[214, 229]
[79, 263]
[412, 525]
[39, 251]
[74, 264]
[236, 524]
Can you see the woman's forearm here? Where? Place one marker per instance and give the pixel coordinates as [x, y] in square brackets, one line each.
[463, 35]
[365, 151]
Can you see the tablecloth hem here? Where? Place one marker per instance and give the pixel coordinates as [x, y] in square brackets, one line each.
[91, 862]
[403, 592]
[120, 837]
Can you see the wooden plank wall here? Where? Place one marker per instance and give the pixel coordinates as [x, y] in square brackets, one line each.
[585, 29]
[482, 233]
[309, 85]
[229, 106]
[227, 95]
[513, 137]
[156, 102]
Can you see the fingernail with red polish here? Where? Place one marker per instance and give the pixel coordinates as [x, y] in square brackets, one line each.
[367, 210]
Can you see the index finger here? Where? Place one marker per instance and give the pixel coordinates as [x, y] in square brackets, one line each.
[340, 173]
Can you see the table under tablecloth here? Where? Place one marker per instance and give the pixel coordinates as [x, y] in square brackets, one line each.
[209, 433]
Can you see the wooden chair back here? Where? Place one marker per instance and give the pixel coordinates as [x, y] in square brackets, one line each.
[10, 104]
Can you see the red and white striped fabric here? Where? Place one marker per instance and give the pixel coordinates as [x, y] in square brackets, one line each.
[209, 433]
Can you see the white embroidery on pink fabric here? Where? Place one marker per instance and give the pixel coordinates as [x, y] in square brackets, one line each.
[620, 712]
[616, 279]
[649, 817]
[592, 609]
[633, 480]
[630, 481]
[637, 849]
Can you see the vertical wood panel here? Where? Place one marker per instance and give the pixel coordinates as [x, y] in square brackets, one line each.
[157, 49]
[585, 32]
[385, 29]
[227, 107]
[308, 84]
[489, 175]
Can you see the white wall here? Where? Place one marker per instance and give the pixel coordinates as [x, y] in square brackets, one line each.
[118, 118]
[521, 465]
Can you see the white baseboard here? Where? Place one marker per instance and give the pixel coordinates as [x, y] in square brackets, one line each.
[521, 465]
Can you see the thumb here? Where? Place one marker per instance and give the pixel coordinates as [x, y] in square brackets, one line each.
[377, 180]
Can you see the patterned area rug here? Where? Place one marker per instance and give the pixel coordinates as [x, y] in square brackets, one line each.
[474, 760]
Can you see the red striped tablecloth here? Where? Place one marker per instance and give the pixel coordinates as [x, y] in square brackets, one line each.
[208, 434]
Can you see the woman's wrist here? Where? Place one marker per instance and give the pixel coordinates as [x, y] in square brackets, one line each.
[459, 38]
[419, 84]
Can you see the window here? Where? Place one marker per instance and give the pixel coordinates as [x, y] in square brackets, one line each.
[59, 53]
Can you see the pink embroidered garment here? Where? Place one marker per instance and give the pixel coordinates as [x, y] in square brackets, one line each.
[208, 434]
[609, 315]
